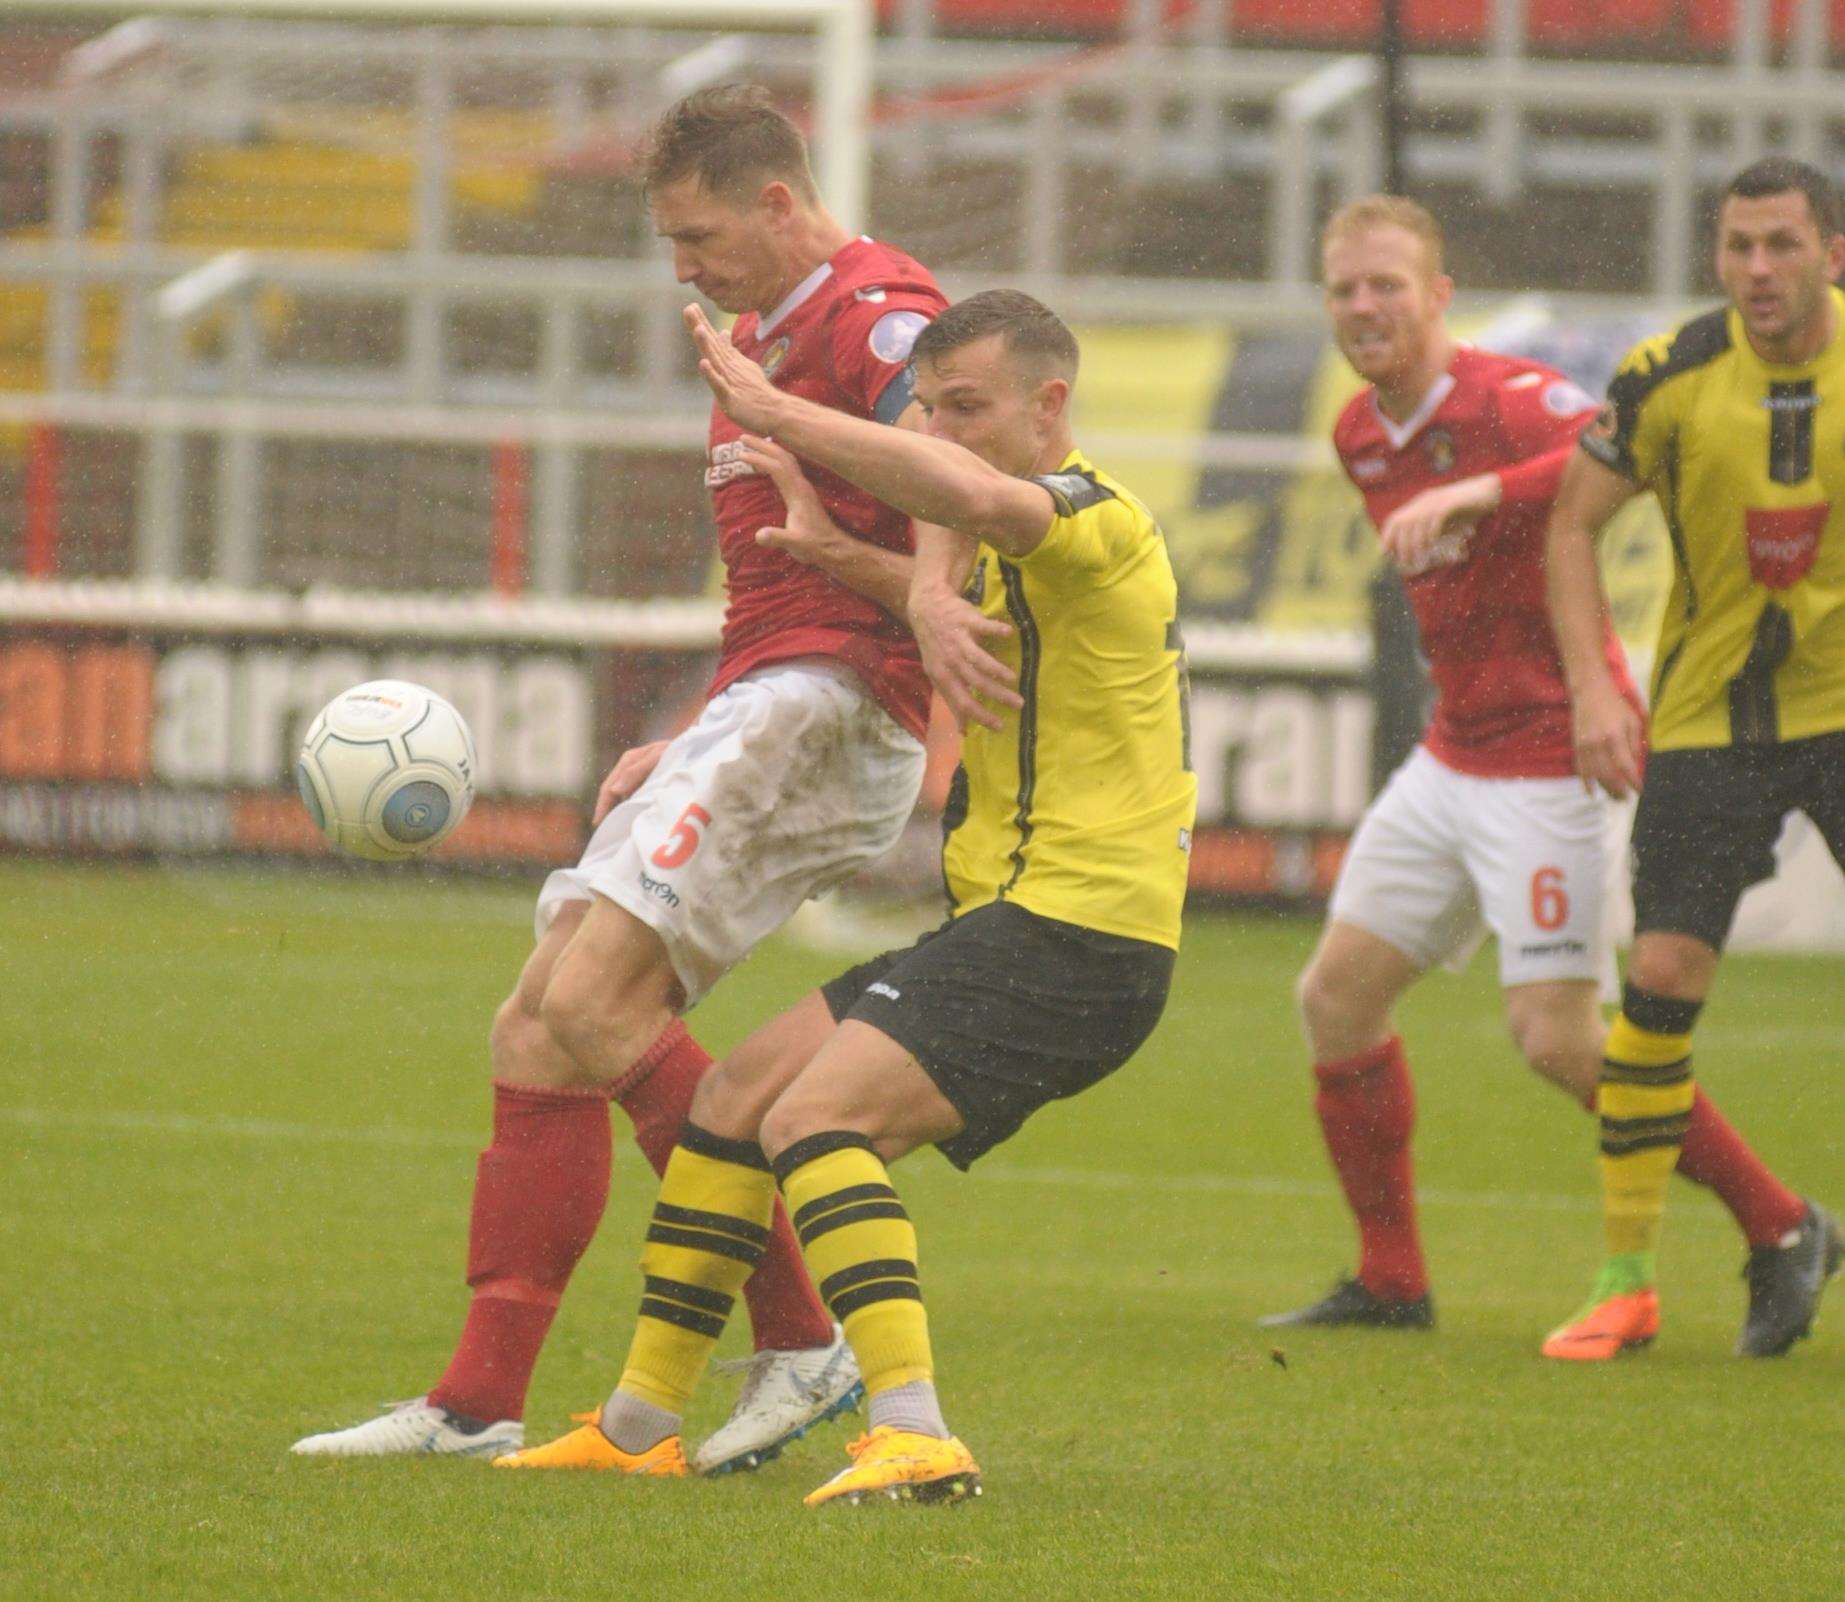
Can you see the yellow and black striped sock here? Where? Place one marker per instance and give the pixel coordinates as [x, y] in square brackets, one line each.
[707, 1234]
[861, 1250]
[1644, 1102]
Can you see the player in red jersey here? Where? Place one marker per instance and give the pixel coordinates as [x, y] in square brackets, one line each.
[1458, 454]
[802, 768]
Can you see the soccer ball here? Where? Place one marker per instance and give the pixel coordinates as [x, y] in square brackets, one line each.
[387, 770]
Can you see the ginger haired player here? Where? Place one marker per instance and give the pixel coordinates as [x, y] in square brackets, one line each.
[1458, 453]
[803, 766]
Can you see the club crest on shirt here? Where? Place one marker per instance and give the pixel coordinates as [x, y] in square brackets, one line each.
[1439, 443]
[775, 355]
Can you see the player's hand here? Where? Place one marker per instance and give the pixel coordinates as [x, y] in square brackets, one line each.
[743, 391]
[808, 535]
[1610, 740]
[1412, 534]
[957, 641]
[627, 776]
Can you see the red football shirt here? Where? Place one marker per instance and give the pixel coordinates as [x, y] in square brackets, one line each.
[842, 338]
[1502, 709]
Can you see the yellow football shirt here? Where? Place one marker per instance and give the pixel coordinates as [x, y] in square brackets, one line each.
[1081, 807]
[1747, 460]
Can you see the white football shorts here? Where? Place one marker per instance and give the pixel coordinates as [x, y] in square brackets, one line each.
[1442, 857]
[792, 779]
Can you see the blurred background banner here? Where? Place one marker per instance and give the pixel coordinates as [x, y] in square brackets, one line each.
[334, 341]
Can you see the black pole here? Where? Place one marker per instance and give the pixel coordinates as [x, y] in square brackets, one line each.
[1390, 94]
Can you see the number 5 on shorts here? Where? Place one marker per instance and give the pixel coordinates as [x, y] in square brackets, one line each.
[1550, 902]
[678, 846]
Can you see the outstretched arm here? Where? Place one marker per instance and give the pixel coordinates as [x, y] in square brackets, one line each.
[931, 479]
[1609, 734]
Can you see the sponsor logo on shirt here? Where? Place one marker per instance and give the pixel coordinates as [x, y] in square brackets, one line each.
[1783, 542]
[727, 463]
[894, 333]
[775, 355]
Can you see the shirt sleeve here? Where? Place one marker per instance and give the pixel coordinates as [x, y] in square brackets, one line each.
[1092, 529]
[1627, 433]
[1536, 480]
[871, 349]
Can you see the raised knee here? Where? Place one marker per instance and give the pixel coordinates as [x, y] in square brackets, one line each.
[515, 1026]
[779, 1130]
[1538, 1039]
[723, 1106]
[1667, 973]
[789, 1118]
[572, 1020]
[1562, 1048]
[1326, 1001]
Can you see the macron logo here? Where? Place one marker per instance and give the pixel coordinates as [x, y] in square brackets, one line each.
[659, 889]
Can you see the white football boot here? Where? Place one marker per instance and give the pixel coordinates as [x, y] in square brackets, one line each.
[415, 1429]
[784, 1395]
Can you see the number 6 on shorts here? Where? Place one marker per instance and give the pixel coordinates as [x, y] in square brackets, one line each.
[677, 848]
[1550, 902]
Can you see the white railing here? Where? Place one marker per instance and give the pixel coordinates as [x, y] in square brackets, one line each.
[1156, 108]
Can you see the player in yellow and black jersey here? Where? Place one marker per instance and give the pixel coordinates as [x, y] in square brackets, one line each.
[1086, 805]
[1736, 423]
[1045, 606]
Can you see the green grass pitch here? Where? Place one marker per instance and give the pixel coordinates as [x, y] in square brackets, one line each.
[237, 1125]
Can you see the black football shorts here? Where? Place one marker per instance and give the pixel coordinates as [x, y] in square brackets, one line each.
[1708, 820]
[1006, 1011]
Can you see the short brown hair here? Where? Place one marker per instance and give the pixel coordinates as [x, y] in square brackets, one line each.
[731, 138]
[1029, 328]
[1387, 211]
[1780, 175]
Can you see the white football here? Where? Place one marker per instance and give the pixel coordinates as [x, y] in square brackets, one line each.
[387, 770]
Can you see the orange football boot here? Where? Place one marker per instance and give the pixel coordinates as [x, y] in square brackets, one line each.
[1605, 1329]
[589, 1448]
[904, 1466]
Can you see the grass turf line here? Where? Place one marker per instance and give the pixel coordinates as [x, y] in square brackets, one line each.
[237, 1116]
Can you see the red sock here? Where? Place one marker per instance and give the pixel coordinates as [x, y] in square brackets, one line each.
[785, 1311]
[539, 1192]
[1715, 1155]
[1367, 1109]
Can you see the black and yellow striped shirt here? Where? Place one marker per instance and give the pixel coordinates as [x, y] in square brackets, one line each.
[1748, 462]
[1081, 808]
